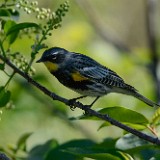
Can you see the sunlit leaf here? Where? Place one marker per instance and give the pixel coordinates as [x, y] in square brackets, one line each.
[120, 114]
[20, 26]
[12, 29]
[22, 141]
[9, 24]
[12, 37]
[125, 115]
[135, 126]
[156, 117]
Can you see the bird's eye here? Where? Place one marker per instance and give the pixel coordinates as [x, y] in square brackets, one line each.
[54, 55]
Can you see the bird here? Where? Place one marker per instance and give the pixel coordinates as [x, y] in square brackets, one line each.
[87, 76]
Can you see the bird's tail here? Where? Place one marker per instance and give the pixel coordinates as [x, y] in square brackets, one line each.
[145, 100]
[129, 90]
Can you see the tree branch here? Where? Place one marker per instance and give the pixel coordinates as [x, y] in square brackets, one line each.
[91, 112]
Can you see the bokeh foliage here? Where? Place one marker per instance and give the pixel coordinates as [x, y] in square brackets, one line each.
[35, 127]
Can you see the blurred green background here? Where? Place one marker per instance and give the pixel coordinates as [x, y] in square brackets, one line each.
[83, 30]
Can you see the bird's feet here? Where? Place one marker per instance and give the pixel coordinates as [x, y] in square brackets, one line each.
[86, 108]
[71, 104]
[72, 101]
[86, 111]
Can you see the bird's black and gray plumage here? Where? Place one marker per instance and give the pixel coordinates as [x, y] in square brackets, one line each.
[86, 76]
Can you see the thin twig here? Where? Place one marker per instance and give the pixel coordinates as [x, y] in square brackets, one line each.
[88, 110]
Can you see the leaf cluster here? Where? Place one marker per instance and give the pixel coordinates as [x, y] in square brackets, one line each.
[128, 147]
[11, 30]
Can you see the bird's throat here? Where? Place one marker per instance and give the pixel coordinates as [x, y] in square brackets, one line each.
[52, 67]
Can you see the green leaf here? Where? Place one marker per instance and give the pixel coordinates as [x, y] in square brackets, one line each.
[129, 141]
[7, 12]
[12, 37]
[22, 141]
[59, 153]
[40, 152]
[101, 150]
[20, 26]
[125, 115]
[4, 96]
[156, 117]
[108, 143]
[9, 25]
[135, 126]
[120, 114]
[137, 146]
[4, 12]
[12, 29]
[14, 13]
[98, 154]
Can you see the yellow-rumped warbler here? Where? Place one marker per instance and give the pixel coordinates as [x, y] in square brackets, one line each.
[86, 76]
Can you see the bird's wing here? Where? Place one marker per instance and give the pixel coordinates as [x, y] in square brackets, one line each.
[103, 75]
[96, 72]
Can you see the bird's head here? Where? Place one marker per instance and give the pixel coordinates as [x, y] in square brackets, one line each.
[53, 57]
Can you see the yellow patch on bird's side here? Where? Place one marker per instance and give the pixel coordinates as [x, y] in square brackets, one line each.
[78, 77]
[52, 67]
